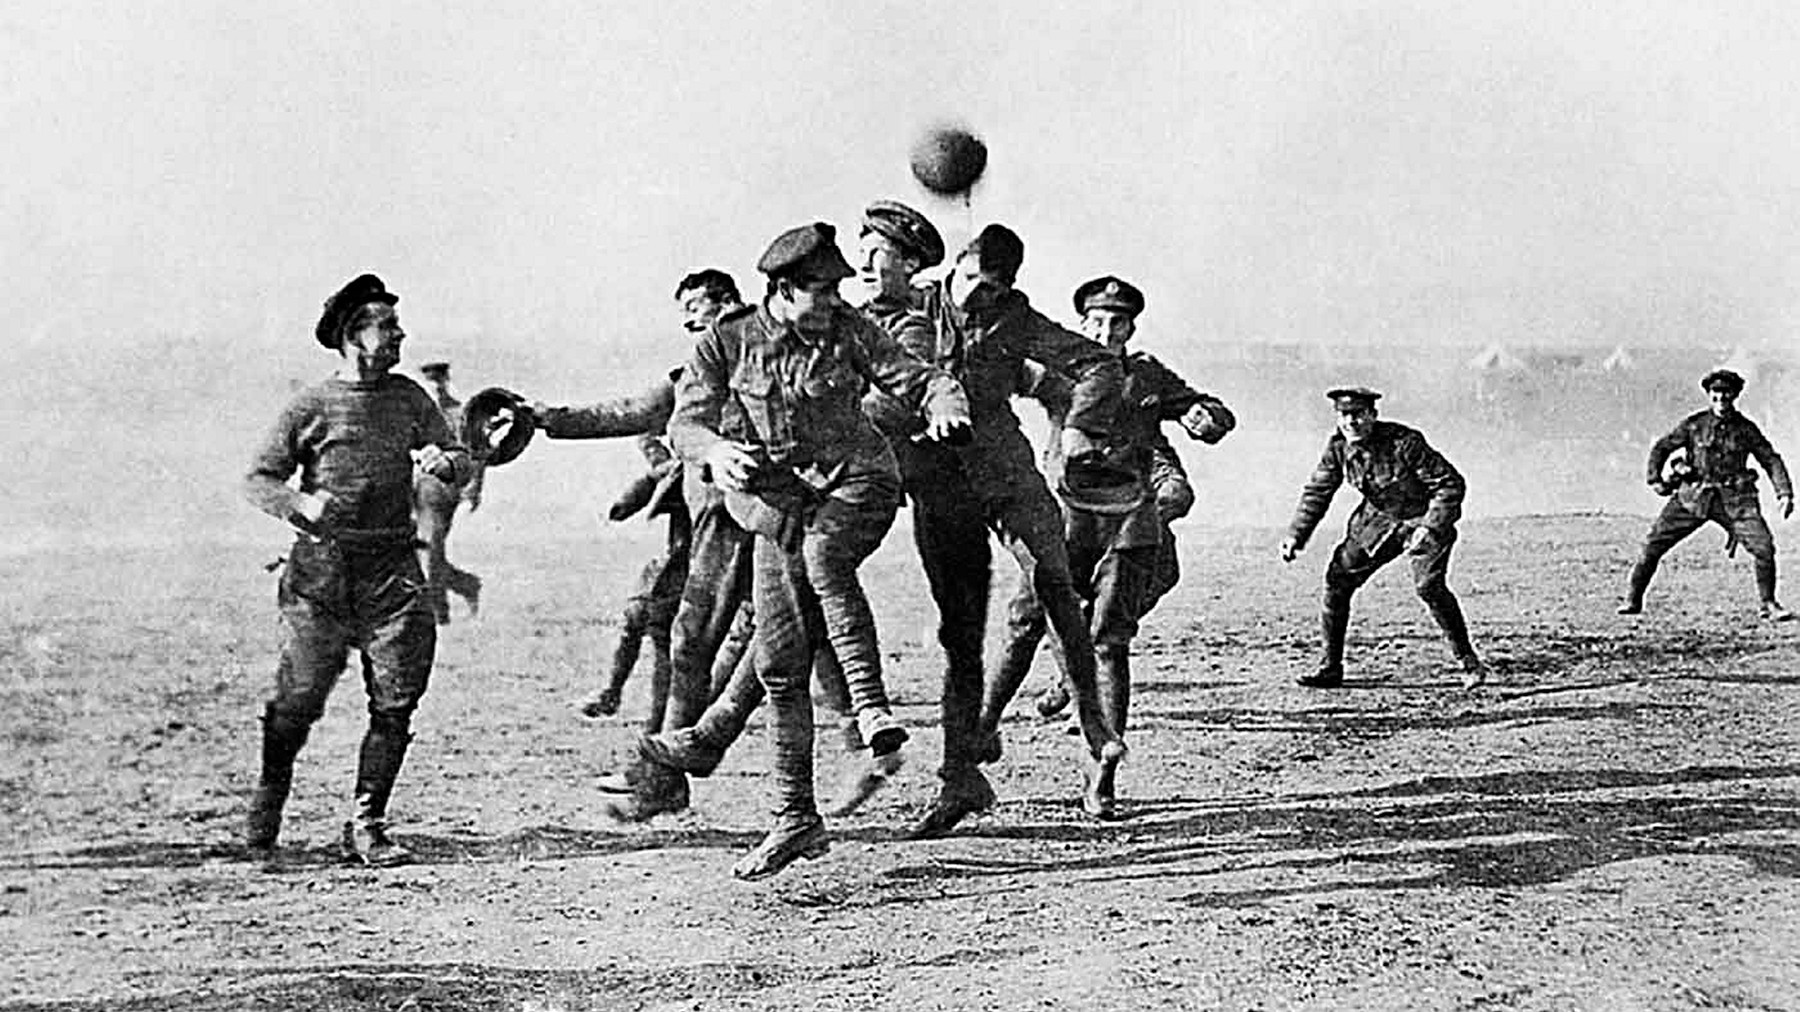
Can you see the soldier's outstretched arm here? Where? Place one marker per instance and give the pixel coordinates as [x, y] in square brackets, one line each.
[1773, 466]
[646, 411]
[1096, 372]
[1315, 500]
[924, 387]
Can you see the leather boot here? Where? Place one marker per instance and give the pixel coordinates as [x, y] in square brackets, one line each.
[1334, 627]
[1640, 582]
[655, 790]
[1099, 799]
[964, 792]
[282, 739]
[794, 837]
[378, 765]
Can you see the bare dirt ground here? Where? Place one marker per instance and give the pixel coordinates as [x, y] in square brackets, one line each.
[1614, 823]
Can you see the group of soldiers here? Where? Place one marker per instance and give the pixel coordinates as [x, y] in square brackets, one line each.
[780, 452]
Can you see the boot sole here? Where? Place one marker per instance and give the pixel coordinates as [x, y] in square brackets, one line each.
[816, 848]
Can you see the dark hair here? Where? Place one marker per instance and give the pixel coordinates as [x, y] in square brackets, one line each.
[717, 285]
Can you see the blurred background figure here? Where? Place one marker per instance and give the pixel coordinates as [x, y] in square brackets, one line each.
[434, 509]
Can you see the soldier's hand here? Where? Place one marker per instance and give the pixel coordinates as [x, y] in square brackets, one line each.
[1290, 549]
[316, 512]
[1421, 541]
[1658, 487]
[537, 410]
[952, 430]
[733, 465]
[1787, 505]
[434, 461]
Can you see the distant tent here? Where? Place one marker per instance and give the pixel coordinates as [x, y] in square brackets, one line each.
[1619, 361]
[1495, 358]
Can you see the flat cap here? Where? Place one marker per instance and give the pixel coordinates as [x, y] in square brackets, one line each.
[357, 293]
[1723, 379]
[1109, 293]
[808, 253]
[1345, 397]
[998, 250]
[905, 228]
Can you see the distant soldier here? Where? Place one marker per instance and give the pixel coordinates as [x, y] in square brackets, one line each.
[434, 508]
[771, 409]
[1412, 498]
[1711, 482]
[983, 331]
[1113, 521]
[352, 577]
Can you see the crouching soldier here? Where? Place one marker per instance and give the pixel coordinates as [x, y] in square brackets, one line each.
[1412, 498]
[352, 578]
[1715, 485]
[771, 409]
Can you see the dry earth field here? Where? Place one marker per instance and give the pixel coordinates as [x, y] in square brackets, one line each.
[1614, 823]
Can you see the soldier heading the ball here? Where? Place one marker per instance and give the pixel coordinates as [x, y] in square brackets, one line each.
[1412, 498]
[1714, 484]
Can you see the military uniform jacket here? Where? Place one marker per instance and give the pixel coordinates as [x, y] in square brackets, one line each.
[800, 399]
[644, 413]
[1719, 450]
[1403, 481]
[987, 354]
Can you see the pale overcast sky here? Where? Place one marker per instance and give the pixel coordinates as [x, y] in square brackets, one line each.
[1279, 169]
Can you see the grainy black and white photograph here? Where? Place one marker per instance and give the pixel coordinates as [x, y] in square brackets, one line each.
[1208, 505]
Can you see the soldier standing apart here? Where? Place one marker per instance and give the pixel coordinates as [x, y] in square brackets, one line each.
[352, 576]
[434, 507]
[1113, 519]
[1412, 498]
[771, 407]
[1717, 487]
[982, 332]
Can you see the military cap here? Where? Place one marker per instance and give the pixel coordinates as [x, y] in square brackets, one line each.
[343, 304]
[435, 369]
[998, 250]
[1723, 379]
[1348, 397]
[809, 253]
[1109, 293]
[907, 229]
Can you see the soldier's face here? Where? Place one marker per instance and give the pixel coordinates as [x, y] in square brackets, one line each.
[971, 289]
[1723, 401]
[883, 269]
[812, 303]
[1356, 421]
[1111, 327]
[376, 340]
[699, 309]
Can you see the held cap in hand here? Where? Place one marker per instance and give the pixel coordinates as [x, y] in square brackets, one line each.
[497, 412]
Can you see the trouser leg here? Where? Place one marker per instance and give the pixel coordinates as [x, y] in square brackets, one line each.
[1350, 567]
[1674, 523]
[1025, 628]
[837, 541]
[1430, 581]
[660, 676]
[1752, 531]
[952, 538]
[634, 623]
[718, 583]
[788, 626]
[1031, 527]
[398, 650]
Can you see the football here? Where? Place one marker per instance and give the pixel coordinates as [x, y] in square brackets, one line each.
[948, 160]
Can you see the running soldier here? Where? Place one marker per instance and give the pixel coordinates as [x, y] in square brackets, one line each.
[352, 577]
[982, 331]
[771, 409]
[1113, 520]
[1412, 498]
[1714, 484]
[434, 508]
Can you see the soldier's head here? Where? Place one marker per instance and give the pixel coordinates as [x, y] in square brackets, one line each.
[704, 296]
[360, 323]
[986, 268]
[896, 243]
[1722, 388]
[1109, 309]
[436, 373]
[805, 267]
[1356, 411]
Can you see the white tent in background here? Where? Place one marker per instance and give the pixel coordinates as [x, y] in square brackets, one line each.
[1495, 358]
[1619, 361]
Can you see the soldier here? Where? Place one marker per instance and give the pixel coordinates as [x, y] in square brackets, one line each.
[770, 408]
[654, 606]
[352, 576]
[896, 243]
[1412, 498]
[434, 508]
[1714, 484]
[982, 331]
[1113, 519]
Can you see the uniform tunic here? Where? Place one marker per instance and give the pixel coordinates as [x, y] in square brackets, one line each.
[1723, 489]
